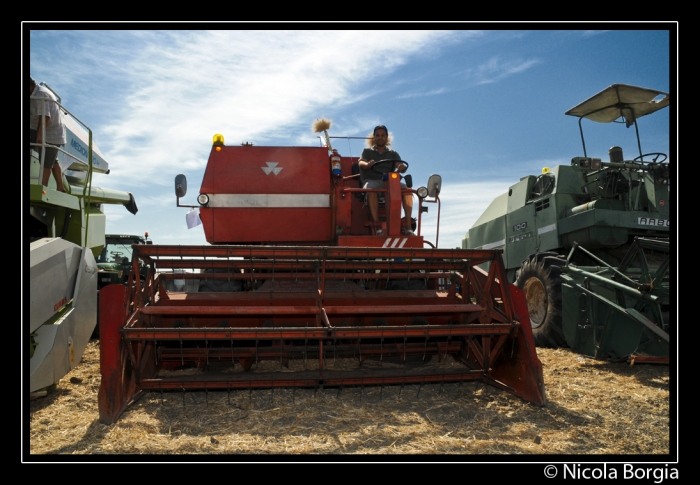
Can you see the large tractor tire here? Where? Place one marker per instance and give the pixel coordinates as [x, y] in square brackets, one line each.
[540, 279]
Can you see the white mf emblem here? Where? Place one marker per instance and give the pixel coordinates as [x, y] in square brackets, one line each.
[271, 167]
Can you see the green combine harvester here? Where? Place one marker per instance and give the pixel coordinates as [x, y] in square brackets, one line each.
[588, 242]
[66, 232]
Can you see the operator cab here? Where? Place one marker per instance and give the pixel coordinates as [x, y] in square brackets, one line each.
[118, 247]
[621, 103]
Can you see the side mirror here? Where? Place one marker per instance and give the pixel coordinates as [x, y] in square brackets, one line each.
[180, 185]
[434, 185]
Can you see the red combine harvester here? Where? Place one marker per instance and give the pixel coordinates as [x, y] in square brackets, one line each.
[296, 275]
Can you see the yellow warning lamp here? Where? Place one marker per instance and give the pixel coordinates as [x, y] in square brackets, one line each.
[545, 170]
[218, 141]
[394, 175]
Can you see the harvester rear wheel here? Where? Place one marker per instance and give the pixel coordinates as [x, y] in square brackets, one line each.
[539, 278]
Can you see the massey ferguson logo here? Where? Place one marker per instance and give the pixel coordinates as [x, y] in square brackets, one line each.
[271, 168]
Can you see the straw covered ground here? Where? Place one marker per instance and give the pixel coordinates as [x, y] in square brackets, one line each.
[594, 408]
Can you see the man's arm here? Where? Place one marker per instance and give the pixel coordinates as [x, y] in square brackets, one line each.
[363, 163]
[399, 165]
[40, 129]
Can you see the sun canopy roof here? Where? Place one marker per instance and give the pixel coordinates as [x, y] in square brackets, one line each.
[620, 100]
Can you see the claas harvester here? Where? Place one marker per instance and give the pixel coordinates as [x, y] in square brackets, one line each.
[295, 276]
[65, 231]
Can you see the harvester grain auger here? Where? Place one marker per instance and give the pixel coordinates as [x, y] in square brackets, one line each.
[286, 310]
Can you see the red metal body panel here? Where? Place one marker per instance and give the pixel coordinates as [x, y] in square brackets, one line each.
[267, 195]
[648, 359]
[243, 170]
[266, 225]
[117, 389]
[287, 195]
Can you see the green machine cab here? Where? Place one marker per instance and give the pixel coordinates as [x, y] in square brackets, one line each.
[115, 260]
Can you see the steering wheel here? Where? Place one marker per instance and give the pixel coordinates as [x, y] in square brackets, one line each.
[658, 154]
[386, 162]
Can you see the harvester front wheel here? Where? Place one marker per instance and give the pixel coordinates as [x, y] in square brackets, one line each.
[539, 278]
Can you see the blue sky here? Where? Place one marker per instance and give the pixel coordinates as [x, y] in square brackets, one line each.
[482, 108]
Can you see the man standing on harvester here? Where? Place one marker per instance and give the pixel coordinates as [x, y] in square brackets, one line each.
[373, 180]
[46, 125]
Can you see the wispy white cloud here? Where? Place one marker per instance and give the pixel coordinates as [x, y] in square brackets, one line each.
[417, 94]
[171, 91]
[461, 206]
[497, 69]
[591, 33]
[243, 84]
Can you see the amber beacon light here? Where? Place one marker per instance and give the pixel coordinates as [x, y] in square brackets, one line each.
[218, 141]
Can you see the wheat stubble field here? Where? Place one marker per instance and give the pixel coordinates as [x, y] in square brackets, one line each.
[594, 408]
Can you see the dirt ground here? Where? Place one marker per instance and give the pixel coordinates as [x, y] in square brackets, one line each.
[594, 408]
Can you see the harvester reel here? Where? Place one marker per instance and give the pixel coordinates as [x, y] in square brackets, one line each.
[541, 283]
[385, 162]
[658, 154]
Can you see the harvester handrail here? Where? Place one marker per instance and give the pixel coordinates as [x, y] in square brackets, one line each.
[88, 182]
[43, 143]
